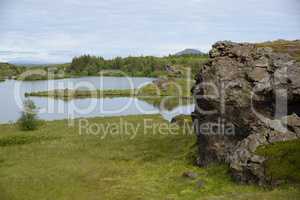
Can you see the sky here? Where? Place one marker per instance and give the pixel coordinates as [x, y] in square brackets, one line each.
[43, 31]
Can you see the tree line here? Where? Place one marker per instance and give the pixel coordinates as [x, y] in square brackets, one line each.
[137, 66]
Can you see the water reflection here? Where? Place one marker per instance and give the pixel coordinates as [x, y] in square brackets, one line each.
[52, 109]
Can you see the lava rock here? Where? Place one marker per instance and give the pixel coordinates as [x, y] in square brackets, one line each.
[242, 94]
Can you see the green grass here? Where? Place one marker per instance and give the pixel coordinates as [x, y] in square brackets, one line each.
[284, 46]
[59, 163]
[182, 119]
[283, 160]
[173, 87]
[24, 139]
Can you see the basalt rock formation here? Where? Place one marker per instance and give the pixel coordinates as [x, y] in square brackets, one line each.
[246, 96]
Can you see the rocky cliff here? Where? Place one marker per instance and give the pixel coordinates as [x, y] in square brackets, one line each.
[247, 96]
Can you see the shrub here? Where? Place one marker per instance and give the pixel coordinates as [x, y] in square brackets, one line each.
[28, 120]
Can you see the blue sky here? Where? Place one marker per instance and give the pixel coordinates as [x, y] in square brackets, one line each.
[55, 31]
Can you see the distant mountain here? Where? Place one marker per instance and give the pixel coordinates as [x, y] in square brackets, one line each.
[189, 52]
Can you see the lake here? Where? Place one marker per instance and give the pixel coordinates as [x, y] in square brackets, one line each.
[12, 95]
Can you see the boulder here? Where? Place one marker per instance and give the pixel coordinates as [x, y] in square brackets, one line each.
[245, 97]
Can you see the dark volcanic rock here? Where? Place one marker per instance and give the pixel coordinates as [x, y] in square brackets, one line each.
[246, 97]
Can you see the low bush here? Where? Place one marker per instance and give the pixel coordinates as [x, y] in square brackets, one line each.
[28, 120]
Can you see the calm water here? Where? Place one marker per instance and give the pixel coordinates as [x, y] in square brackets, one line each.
[12, 94]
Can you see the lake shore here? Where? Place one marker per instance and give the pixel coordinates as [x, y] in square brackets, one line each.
[169, 87]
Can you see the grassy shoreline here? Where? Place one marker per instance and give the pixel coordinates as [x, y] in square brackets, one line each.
[170, 87]
[168, 102]
[69, 94]
[58, 162]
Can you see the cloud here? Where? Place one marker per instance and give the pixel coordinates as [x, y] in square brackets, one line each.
[59, 29]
